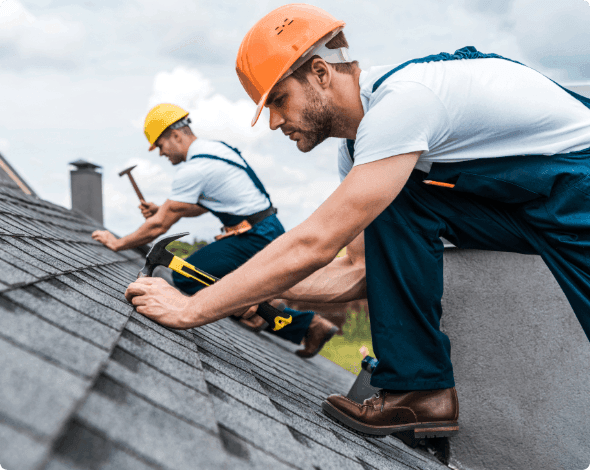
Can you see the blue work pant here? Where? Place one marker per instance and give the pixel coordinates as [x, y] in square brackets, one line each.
[224, 256]
[525, 204]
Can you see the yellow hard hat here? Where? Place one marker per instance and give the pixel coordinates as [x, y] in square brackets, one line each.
[159, 118]
[274, 44]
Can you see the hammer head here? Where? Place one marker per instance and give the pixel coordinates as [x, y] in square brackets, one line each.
[128, 170]
[159, 255]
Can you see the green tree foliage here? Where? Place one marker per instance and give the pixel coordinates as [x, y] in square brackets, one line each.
[344, 350]
[357, 326]
[182, 249]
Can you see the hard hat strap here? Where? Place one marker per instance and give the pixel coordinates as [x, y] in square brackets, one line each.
[332, 56]
[181, 123]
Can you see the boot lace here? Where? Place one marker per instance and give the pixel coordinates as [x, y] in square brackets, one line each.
[380, 394]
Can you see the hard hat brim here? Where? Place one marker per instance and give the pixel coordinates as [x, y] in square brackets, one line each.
[260, 106]
[335, 28]
[152, 147]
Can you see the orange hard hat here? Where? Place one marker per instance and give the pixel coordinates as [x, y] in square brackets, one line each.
[276, 42]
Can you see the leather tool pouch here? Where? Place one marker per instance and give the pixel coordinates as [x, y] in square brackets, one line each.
[242, 227]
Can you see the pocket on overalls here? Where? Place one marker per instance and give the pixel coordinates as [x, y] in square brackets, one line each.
[566, 215]
[493, 188]
[570, 205]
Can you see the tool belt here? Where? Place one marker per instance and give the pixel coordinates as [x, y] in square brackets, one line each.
[246, 224]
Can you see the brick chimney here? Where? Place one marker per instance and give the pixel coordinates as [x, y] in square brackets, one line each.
[86, 185]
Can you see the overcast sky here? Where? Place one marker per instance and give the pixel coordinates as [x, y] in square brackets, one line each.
[77, 78]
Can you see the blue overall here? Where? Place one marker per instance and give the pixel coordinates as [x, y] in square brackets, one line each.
[533, 204]
[224, 256]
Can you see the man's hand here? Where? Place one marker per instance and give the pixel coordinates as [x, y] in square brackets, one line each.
[165, 216]
[251, 312]
[159, 301]
[361, 197]
[106, 238]
[148, 209]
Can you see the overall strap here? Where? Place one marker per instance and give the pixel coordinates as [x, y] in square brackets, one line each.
[350, 147]
[248, 170]
[468, 52]
[215, 157]
[231, 219]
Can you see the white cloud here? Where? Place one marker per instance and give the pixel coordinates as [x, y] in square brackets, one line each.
[119, 199]
[213, 115]
[297, 186]
[14, 14]
[4, 145]
[131, 54]
[303, 195]
[555, 35]
[47, 36]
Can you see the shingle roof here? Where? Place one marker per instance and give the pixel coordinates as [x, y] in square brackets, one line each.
[88, 383]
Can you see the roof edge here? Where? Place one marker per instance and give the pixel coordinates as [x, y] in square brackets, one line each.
[14, 176]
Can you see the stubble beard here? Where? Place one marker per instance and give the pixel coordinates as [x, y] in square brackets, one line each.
[176, 158]
[318, 118]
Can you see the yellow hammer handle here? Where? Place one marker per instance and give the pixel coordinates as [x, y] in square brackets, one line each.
[274, 317]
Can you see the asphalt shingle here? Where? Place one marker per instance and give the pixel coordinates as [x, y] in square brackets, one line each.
[83, 448]
[88, 383]
[52, 249]
[24, 246]
[169, 393]
[36, 393]
[189, 374]
[51, 342]
[149, 430]
[68, 319]
[90, 307]
[19, 449]
[11, 275]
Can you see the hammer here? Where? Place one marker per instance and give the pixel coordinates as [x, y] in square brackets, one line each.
[128, 173]
[160, 256]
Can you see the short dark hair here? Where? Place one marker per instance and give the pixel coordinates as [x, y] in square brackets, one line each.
[336, 42]
[185, 130]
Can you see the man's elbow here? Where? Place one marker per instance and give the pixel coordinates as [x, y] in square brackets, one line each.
[158, 228]
[358, 261]
[319, 250]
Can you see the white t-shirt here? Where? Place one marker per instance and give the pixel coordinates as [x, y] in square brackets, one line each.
[463, 110]
[217, 185]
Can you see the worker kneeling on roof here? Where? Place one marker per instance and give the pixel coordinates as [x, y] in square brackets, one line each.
[213, 177]
[472, 147]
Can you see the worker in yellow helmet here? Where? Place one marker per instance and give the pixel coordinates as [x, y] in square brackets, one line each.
[213, 177]
[473, 147]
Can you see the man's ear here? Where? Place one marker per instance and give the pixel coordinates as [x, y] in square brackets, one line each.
[321, 72]
[176, 136]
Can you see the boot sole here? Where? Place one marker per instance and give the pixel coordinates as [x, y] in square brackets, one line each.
[421, 430]
[327, 338]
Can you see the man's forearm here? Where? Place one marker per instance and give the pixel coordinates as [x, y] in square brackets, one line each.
[286, 261]
[362, 196]
[343, 280]
[148, 232]
[340, 281]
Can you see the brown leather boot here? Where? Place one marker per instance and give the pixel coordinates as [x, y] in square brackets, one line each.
[320, 331]
[429, 413]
